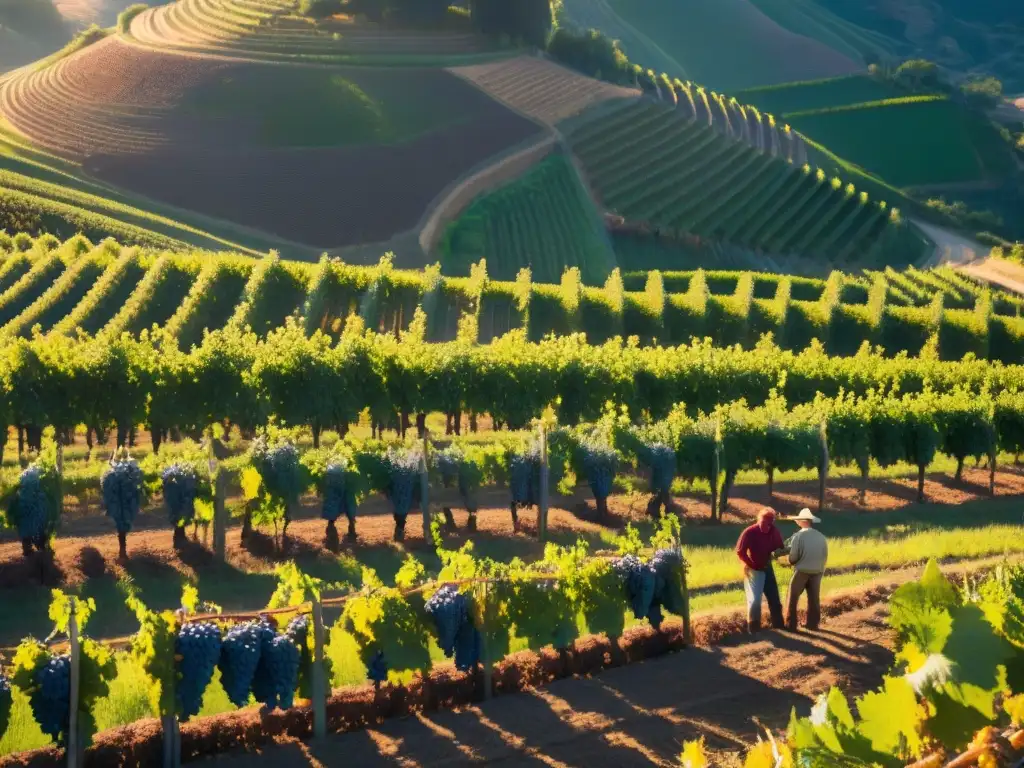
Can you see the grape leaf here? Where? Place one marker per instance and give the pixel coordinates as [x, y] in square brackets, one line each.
[975, 648]
[250, 483]
[953, 723]
[839, 710]
[890, 716]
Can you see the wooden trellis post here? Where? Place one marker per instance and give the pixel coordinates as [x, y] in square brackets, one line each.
[425, 487]
[542, 497]
[822, 469]
[74, 746]
[219, 508]
[485, 652]
[319, 691]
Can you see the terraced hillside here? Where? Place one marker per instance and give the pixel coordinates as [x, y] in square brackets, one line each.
[74, 287]
[272, 29]
[213, 135]
[543, 220]
[659, 171]
[541, 89]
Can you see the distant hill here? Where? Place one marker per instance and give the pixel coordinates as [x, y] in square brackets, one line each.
[30, 29]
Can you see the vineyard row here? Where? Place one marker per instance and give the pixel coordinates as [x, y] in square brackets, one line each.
[109, 290]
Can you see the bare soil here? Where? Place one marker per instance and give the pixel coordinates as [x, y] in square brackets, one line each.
[629, 716]
[87, 545]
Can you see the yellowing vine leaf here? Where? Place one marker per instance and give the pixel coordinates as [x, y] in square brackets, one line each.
[890, 716]
[251, 482]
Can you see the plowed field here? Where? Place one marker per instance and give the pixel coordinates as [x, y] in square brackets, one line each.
[325, 157]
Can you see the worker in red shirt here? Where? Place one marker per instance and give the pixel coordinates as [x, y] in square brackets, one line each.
[756, 547]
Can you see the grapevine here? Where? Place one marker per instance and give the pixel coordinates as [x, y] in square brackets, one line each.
[339, 497]
[34, 505]
[599, 461]
[403, 468]
[122, 485]
[181, 488]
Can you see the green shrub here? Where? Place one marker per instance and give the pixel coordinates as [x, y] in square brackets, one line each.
[547, 313]
[1006, 339]
[22, 242]
[962, 331]
[599, 318]
[906, 329]
[851, 325]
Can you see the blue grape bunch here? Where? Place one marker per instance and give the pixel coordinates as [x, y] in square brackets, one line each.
[6, 702]
[122, 492]
[239, 656]
[377, 670]
[50, 699]
[661, 459]
[181, 487]
[456, 634]
[281, 471]
[639, 581]
[403, 471]
[31, 509]
[339, 497]
[277, 673]
[524, 476]
[668, 592]
[448, 463]
[599, 463]
[197, 649]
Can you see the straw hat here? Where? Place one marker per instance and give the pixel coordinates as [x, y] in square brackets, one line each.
[805, 514]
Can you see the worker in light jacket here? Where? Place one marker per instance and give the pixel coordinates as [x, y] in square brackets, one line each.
[756, 548]
[808, 554]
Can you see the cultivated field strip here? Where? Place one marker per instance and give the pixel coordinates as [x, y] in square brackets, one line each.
[108, 290]
[544, 220]
[657, 169]
[541, 89]
[105, 99]
[273, 30]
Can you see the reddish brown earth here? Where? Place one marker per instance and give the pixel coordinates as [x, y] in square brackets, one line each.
[631, 716]
[87, 546]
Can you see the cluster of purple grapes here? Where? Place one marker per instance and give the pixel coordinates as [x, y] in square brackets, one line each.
[652, 586]
[50, 699]
[403, 472]
[181, 486]
[455, 631]
[524, 476]
[639, 581]
[377, 671]
[198, 650]
[122, 492]
[30, 506]
[255, 658]
[339, 498]
[277, 671]
[599, 463]
[661, 459]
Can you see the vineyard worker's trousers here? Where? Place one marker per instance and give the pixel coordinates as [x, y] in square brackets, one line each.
[757, 584]
[812, 583]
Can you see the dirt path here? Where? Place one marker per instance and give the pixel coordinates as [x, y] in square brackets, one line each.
[630, 716]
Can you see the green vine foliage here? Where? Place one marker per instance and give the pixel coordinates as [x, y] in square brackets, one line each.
[294, 589]
[958, 654]
[96, 661]
[153, 647]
